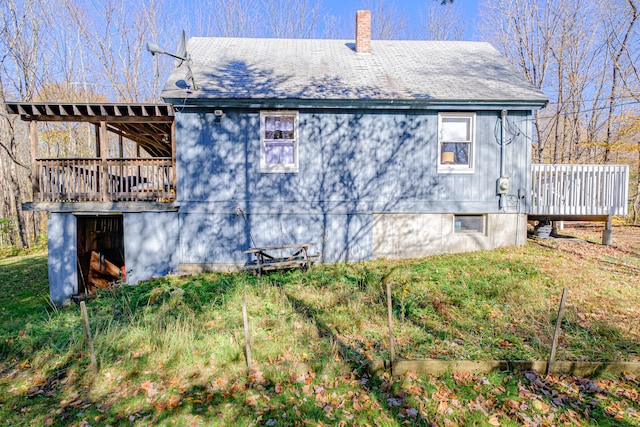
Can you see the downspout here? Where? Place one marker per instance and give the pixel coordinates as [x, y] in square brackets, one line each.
[503, 137]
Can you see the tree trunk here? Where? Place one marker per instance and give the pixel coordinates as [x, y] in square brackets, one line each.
[636, 202]
[17, 200]
[622, 48]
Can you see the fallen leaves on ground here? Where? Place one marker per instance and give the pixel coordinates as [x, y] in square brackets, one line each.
[527, 398]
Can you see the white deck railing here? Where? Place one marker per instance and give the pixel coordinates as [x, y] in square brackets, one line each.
[579, 190]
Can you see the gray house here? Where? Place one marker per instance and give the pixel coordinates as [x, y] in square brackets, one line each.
[372, 149]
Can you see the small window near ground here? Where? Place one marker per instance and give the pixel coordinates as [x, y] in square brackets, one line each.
[279, 141]
[468, 223]
[456, 140]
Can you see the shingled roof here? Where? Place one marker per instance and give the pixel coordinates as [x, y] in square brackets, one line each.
[243, 71]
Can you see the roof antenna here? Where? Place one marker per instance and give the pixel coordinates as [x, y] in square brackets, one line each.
[181, 55]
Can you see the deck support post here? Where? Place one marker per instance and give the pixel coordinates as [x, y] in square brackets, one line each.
[35, 173]
[104, 170]
[607, 233]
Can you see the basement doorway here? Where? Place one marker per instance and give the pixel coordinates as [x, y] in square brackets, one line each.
[100, 251]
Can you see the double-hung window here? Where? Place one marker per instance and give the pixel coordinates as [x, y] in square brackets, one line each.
[456, 142]
[279, 141]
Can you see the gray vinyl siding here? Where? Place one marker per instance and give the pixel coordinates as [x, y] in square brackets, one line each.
[351, 165]
[62, 257]
[221, 238]
[383, 162]
[151, 242]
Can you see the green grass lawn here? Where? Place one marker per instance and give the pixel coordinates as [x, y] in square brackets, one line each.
[24, 290]
[171, 352]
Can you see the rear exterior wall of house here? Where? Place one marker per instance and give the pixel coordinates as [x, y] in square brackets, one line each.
[366, 185]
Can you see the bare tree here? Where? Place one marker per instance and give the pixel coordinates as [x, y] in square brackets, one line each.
[630, 143]
[387, 23]
[619, 23]
[563, 48]
[255, 18]
[290, 18]
[442, 21]
[224, 18]
[523, 30]
[115, 33]
[582, 55]
[622, 40]
[24, 26]
[577, 83]
[61, 50]
[334, 27]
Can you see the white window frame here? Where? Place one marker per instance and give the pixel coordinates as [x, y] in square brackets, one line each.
[470, 140]
[264, 142]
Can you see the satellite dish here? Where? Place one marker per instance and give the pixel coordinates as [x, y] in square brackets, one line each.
[181, 51]
[181, 56]
[155, 49]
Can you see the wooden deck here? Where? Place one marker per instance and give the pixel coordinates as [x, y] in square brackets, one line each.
[148, 177]
[580, 192]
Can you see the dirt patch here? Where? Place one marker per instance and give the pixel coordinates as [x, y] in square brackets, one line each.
[625, 237]
[583, 241]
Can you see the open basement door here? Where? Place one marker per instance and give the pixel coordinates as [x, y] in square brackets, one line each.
[100, 252]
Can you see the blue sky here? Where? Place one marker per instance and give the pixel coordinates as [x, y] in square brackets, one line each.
[336, 18]
[411, 8]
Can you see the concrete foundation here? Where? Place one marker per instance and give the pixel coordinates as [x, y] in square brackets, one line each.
[419, 235]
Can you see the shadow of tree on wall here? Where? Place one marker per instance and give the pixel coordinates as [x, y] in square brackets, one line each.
[364, 166]
[351, 165]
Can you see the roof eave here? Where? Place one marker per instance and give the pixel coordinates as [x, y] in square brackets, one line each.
[374, 104]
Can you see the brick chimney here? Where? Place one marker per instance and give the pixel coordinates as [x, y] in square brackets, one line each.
[363, 31]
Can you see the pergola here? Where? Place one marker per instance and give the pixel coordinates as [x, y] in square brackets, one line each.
[150, 126]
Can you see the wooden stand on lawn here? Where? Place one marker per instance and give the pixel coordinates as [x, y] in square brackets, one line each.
[247, 345]
[265, 260]
[390, 319]
[554, 343]
[87, 330]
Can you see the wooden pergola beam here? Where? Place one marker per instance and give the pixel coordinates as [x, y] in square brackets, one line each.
[73, 111]
[148, 125]
[95, 119]
[149, 144]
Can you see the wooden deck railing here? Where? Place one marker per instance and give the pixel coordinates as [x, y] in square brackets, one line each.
[579, 190]
[91, 180]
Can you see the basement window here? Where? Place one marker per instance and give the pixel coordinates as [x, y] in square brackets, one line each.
[456, 142]
[279, 141]
[468, 223]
